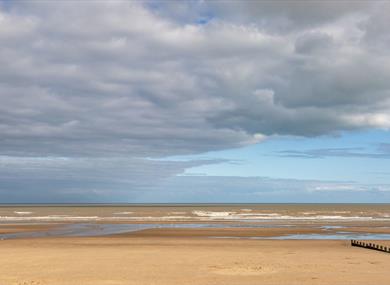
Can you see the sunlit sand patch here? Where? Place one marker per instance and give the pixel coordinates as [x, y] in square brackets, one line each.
[243, 269]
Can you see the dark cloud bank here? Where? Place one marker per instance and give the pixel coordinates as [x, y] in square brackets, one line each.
[90, 91]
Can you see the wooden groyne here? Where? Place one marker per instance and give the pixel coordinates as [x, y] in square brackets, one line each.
[370, 245]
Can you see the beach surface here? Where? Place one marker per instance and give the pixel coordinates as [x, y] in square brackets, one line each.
[165, 259]
[197, 244]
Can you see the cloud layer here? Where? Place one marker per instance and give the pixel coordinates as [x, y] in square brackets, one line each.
[134, 80]
[113, 78]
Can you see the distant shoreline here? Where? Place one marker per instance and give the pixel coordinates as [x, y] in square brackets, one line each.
[179, 204]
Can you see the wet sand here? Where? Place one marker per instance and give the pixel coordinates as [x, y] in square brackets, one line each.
[207, 230]
[180, 256]
[18, 228]
[221, 232]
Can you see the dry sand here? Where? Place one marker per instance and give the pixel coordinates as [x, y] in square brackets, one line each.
[177, 257]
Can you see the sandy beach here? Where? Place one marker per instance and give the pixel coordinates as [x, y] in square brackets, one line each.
[158, 258]
[198, 245]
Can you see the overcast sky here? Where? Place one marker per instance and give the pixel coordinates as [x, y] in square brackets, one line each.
[194, 101]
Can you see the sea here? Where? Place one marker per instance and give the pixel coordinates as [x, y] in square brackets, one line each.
[106, 219]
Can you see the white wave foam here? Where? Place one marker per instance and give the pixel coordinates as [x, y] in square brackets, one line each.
[59, 218]
[163, 218]
[212, 214]
[317, 217]
[199, 216]
[209, 215]
[319, 212]
[48, 218]
[259, 215]
[246, 210]
[123, 213]
[22, 213]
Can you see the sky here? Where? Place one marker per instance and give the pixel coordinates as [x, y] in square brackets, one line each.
[194, 101]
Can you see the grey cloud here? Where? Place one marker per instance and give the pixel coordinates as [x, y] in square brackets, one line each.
[105, 78]
[382, 152]
[287, 16]
[124, 183]
[85, 179]
[376, 28]
[311, 42]
[262, 190]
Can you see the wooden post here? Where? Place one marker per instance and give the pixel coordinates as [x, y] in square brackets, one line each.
[370, 245]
